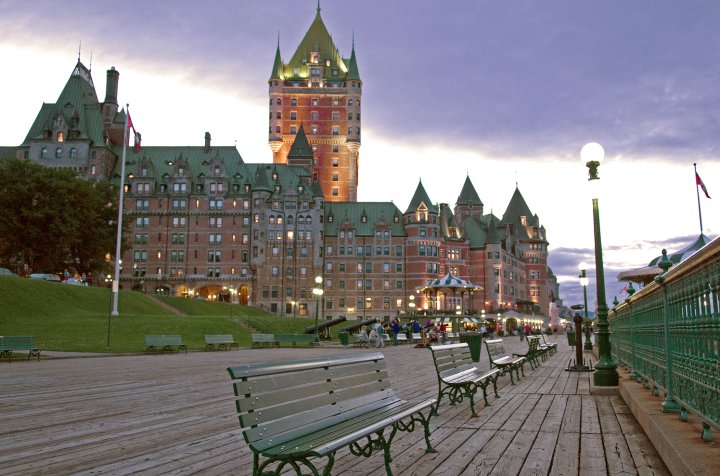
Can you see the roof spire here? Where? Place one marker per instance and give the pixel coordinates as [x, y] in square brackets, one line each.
[90, 68]
[318, 8]
[80, 48]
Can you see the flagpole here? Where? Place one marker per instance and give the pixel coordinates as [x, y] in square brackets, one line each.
[697, 191]
[116, 280]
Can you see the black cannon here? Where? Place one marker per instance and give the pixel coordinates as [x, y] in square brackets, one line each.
[323, 328]
[356, 326]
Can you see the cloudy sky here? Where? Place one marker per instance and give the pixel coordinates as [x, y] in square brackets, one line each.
[505, 92]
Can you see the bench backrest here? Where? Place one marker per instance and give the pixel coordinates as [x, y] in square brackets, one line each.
[452, 359]
[416, 336]
[162, 340]
[17, 342]
[495, 349]
[263, 337]
[219, 339]
[533, 342]
[281, 400]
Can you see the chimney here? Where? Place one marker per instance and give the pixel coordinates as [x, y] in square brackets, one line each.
[207, 142]
[111, 87]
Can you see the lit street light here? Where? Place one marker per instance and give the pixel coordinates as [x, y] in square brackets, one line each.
[584, 282]
[605, 369]
[318, 292]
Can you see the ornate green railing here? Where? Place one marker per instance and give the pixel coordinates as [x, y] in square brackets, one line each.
[680, 311]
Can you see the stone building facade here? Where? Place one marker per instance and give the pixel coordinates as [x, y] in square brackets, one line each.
[205, 223]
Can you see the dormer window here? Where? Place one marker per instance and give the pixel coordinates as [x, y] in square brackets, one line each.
[217, 170]
[363, 219]
[181, 170]
[330, 219]
[274, 175]
[143, 172]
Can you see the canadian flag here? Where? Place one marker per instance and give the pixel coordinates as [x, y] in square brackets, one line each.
[699, 181]
[137, 136]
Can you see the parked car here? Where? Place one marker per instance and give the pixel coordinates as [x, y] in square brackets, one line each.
[74, 281]
[45, 276]
[6, 272]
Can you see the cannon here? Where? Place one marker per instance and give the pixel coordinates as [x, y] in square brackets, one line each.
[356, 326]
[323, 328]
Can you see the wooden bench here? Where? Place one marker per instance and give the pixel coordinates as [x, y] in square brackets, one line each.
[263, 340]
[458, 376]
[499, 358]
[551, 345]
[10, 344]
[361, 340]
[220, 342]
[401, 338]
[416, 337]
[164, 343]
[291, 412]
[532, 352]
[295, 338]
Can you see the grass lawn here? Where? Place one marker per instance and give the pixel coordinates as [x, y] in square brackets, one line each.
[76, 318]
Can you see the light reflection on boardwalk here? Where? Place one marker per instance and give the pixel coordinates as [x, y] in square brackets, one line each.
[174, 414]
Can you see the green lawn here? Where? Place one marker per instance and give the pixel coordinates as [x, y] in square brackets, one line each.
[75, 318]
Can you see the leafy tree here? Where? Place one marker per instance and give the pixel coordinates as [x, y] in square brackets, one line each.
[52, 220]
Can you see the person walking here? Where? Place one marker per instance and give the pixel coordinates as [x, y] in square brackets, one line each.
[378, 328]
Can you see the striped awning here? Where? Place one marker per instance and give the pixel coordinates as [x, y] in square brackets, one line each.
[449, 283]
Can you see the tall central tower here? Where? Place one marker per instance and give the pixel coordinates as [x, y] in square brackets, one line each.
[320, 91]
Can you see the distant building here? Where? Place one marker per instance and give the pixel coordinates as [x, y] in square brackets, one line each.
[203, 223]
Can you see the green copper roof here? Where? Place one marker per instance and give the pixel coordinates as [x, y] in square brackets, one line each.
[684, 253]
[300, 148]
[353, 73]
[516, 208]
[316, 40]
[277, 65]
[79, 107]
[363, 217]
[421, 196]
[468, 195]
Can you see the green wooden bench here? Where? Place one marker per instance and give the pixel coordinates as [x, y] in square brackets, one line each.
[10, 344]
[552, 345]
[360, 340]
[220, 342]
[291, 412]
[458, 376]
[532, 352]
[263, 340]
[499, 358]
[295, 338]
[164, 343]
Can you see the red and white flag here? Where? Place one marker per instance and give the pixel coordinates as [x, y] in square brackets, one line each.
[136, 134]
[699, 181]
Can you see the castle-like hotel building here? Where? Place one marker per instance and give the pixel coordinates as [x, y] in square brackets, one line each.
[203, 222]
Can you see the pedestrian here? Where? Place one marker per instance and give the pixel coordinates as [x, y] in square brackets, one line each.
[396, 326]
[378, 328]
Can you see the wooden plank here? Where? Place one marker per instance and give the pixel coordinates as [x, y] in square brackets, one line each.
[515, 455]
[565, 461]
[592, 455]
[589, 422]
[572, 416]
[486, 459]
[539, 459]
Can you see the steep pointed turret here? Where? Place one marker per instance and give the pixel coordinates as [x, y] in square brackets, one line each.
[353, 72]
[301, 152]
[420, 199]
[468, 204]
[277, 65]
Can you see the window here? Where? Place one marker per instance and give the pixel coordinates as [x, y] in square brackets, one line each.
[140, 256]
[58, 152]
[214, 256]
[314, 101]
[216, 204]
[44, 153]
[178, 221]
[179, 187]
[178, 238]
[293, 102]
[335, 192]
[314, 115]
[141, 238]
[215, 222]
[73, 153]
[293, 115]
[335, 130]
[142, 222]
[142, 204]
[335, 177]
[177, 256]
[335, 116]
[215, 238]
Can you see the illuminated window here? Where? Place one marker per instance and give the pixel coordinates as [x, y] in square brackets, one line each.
[60, 137]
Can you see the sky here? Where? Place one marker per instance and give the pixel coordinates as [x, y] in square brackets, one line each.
[505, 92]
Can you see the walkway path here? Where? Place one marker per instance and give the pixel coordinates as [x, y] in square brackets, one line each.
[174, 414]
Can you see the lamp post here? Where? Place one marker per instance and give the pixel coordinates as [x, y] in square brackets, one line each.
[605, 369]
[584, 282]
[293, 304]
[411, 304]
[318, 292]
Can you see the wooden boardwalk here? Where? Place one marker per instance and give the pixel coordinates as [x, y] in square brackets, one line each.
[174, 414]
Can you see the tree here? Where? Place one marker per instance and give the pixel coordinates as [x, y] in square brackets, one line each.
[52, 220]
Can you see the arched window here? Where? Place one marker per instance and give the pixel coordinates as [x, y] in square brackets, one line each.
[308, 220]
[58, 152]
[279, 219]
[271, 219]
[293, 102]
[290, 220]
[278, 102]
[301, 219]
[73, 153]
[44, 153]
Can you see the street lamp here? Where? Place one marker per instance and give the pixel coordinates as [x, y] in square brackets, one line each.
[411, 304]
[318, 292]
[605, 369]
[584, 282]
[293, 304]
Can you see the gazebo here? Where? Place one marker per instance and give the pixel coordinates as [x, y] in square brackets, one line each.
[449, 284]
[646, 274]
